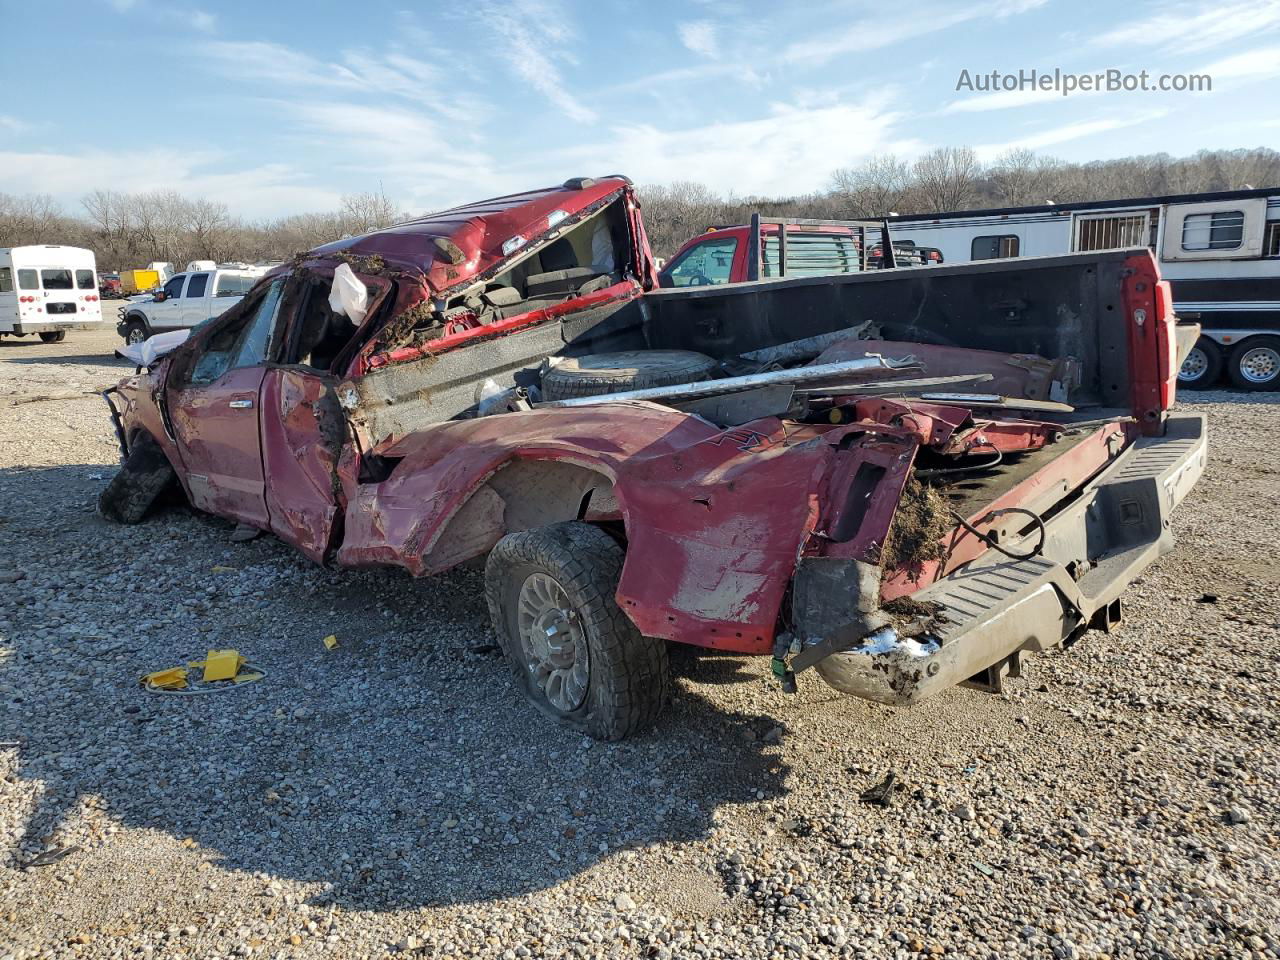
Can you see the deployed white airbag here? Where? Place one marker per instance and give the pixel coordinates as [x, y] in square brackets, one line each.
[348, 295]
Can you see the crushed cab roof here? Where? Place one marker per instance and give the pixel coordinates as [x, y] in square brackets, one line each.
[476, 232]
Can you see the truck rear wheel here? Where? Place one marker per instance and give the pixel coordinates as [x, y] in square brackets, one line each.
[53, 336]
[143, 477]
[1255, 364]
[573, 651]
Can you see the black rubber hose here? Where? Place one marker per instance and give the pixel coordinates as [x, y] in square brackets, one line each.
[990, 541]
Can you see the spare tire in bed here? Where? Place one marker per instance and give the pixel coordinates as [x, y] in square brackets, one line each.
[600, 373]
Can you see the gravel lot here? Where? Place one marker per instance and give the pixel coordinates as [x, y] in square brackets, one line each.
[394, 796]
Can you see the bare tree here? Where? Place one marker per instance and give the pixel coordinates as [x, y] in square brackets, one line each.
[1020, 177]
[675, 212]
[879, 187]
[363, 212]
[29, 218]
[130, 230]
[947, 178]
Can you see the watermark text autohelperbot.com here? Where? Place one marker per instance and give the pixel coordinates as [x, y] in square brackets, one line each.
[1102, 81]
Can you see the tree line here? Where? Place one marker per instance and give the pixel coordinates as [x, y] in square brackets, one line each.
[128, 230]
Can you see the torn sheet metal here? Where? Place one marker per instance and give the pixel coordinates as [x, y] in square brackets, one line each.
[797, 376]
[887, 388]
[996, 400]
[735, 409]
[1013, 374]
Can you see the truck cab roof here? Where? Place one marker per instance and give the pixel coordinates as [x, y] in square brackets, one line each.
[454, 247]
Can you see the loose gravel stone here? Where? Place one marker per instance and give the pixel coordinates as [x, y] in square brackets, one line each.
[395, 797]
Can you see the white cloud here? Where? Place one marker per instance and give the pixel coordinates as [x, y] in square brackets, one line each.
[379, 76]
[700, 37]
[203, 21]
[416, 158]
[880, 29]
[534, 34]
[1067, 133]
[13, 124]
[1250, 65]
[790, 151]
[266, 190]
[1187, 27]
[1005, 99]
[743, 74]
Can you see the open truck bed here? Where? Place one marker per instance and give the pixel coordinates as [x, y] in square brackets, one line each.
[775, 488]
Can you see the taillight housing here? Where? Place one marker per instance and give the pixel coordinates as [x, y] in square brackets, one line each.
[1153, 353]
[1167, 322]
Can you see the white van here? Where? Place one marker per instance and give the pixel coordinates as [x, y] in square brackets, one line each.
[48, 290]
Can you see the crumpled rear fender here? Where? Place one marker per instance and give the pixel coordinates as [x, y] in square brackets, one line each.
[715, 519]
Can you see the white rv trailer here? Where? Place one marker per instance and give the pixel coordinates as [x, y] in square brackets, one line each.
[1220, 252]
[48, 289]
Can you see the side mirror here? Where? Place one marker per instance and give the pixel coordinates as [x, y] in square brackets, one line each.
[160, 296]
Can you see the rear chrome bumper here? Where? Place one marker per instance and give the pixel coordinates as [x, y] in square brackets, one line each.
[996, 608]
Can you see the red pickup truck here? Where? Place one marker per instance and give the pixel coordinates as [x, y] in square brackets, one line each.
[764, 468]
[788, 247]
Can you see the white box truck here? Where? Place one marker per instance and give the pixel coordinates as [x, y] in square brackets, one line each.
[48, 290]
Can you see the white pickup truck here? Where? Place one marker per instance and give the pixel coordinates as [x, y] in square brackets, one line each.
[186, 300]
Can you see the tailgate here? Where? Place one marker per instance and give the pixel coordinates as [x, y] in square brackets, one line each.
[995, 608]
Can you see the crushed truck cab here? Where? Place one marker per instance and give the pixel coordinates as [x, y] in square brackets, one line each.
[901, 480]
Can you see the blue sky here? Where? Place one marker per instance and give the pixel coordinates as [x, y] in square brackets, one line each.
[282, 107]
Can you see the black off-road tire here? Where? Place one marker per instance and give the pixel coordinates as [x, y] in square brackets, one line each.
[53, 336]
[629, 679]
[601, 373]
[143, 477]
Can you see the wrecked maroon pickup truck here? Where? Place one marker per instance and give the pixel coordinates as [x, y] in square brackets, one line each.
[904, 479]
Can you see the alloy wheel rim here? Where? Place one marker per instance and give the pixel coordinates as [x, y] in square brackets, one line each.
[1194, 367]
[553, 642]
[1260, 365]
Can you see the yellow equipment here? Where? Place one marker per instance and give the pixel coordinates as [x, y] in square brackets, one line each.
[138, 281]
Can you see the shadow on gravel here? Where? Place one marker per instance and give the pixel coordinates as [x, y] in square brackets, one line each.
[75, 360]
[400, 770]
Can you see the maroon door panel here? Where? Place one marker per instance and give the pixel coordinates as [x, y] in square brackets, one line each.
[216, 425]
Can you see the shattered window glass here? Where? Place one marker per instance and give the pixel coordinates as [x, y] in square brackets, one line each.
[253, 349]
[244, 343]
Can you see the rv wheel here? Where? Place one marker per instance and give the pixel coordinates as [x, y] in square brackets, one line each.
[1255, 364]
[1203, 366]
[53, 336]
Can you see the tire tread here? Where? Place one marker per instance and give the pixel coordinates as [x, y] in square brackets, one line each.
[630, 673]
